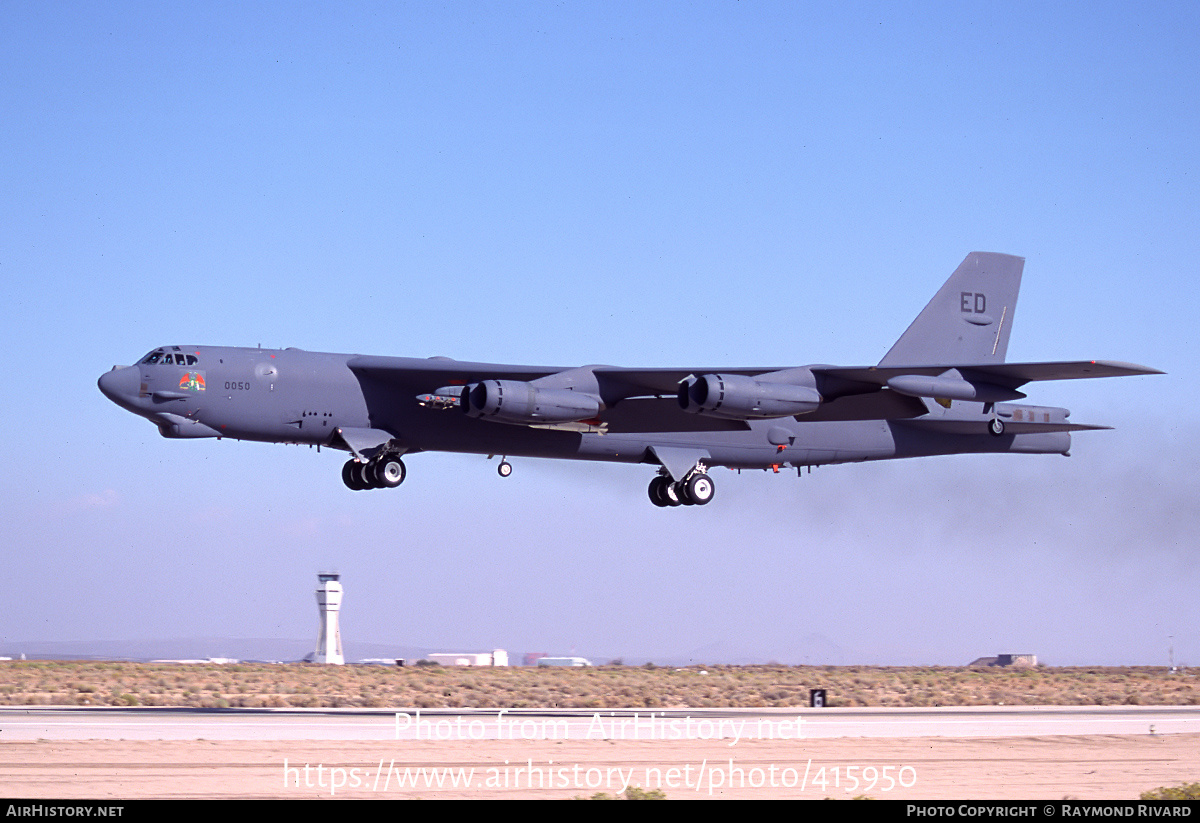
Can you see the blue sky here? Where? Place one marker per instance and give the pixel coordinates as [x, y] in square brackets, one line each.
[626, 183]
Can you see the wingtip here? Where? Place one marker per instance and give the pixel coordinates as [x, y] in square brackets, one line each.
[1131, 368]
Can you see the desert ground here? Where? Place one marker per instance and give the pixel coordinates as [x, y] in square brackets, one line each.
[268, 685]
[1039, 768]
[1094, 767]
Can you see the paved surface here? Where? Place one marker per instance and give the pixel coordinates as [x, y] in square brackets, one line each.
[1043, 754]
[42, 723]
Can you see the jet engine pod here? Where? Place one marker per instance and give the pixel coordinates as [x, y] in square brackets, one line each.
[513, 401]
[740, 397]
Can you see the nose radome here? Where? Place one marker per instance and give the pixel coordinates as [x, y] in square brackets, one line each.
[121, 385]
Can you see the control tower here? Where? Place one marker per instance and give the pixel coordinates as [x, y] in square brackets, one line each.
[329, 603]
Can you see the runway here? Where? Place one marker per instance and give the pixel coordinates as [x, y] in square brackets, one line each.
[1002, 752]
[733, 725]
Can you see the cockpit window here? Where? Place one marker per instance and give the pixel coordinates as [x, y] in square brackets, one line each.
[166, 359]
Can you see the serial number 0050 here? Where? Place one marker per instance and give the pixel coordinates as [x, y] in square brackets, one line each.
[237, 385]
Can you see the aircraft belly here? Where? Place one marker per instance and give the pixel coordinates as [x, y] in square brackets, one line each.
[813, 444]
[453, 431]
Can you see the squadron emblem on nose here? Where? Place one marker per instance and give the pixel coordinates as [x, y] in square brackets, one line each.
[192, 381]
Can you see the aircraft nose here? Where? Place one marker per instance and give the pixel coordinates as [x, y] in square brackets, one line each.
[121, 385]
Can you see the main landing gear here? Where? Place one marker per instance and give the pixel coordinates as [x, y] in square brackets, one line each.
[696, 489]
[386, 471]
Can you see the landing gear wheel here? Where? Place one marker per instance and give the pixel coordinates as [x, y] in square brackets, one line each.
[657, 494]
[365, 474]
[389, 472]
[996, 426]
[671, 493]
[700, 489]
[681, 491]
[350, 476]
[504, 469]
[662, 492]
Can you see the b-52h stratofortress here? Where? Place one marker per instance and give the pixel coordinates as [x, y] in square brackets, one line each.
[943, 388]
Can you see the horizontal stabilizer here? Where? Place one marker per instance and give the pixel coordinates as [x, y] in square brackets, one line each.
[1010, 427]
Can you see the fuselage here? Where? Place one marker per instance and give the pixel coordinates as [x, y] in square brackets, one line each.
[944, 387]
[296, 396]
[278, 396]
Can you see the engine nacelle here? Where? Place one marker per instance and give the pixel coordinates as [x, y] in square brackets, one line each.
[740, 397]
[513, 401]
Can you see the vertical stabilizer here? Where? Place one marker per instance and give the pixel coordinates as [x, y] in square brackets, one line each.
[968, 320]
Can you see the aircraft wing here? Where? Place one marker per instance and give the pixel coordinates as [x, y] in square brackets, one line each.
[441, 370]
[1010, 375]
[639, 382]
[617, 380]
[643, 399]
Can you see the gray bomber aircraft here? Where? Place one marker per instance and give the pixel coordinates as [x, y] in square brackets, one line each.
[943, 388]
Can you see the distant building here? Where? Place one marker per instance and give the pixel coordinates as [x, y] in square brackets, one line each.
[496, 657]
[563, 661]
[1019, 661]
